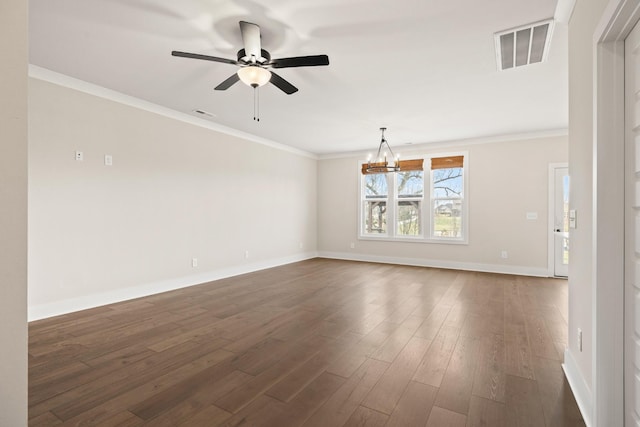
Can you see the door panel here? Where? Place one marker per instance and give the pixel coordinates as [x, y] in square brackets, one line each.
[632, 228]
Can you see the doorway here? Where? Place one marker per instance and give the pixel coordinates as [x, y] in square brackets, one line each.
[632, 222]
[614, 307]
[558, 220]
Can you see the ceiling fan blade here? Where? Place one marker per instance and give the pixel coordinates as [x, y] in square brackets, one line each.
[228, 82]
[251, 39]
[282, 84]
[205, 57]
[300, 61]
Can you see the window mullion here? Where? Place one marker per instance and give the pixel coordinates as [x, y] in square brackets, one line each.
[392, 205]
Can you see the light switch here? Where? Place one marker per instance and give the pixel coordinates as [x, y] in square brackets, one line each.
[572, 218]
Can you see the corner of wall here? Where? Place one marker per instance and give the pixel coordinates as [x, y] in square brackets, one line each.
[579, 386]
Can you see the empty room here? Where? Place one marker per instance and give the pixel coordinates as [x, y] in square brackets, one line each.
[225, 213]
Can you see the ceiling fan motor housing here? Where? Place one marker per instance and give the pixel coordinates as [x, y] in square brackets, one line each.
[242, 54]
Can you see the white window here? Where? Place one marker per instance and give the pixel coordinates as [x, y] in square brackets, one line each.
[409, 194]
[376, 196]
[393, 204]
[447, 197]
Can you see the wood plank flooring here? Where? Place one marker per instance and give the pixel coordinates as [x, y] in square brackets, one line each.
[315, 343]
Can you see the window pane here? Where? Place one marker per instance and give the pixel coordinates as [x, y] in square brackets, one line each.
[409, 218]
[375, 217]
[410, 184]
[447, 218]
[447, 183]
[375, 186]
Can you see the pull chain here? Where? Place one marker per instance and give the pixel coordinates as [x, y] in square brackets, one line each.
[256, 104]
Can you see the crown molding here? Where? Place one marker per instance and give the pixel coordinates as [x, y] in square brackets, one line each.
[64, 80]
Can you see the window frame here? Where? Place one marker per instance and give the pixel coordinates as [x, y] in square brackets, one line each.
[427, 205]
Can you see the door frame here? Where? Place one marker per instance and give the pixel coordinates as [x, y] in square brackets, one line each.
[607, 287]
[551, 218]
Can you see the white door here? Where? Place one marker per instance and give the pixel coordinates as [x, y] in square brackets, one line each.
[561, 222]
[632, 229]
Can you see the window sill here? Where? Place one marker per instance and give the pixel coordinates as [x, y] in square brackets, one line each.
[415, 240]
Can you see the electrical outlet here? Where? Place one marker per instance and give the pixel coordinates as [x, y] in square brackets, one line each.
[194, 262]
[108, 160]
[580, 339]
[504, 255]
[246, 254]
[353, 245]
[301, 245]
[79, 156]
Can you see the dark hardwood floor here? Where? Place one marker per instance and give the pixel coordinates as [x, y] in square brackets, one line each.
[315, 343]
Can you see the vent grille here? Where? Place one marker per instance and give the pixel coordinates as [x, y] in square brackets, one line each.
[523, 45]
[204, 113]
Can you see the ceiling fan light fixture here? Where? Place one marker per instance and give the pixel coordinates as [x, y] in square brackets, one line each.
[254, 75]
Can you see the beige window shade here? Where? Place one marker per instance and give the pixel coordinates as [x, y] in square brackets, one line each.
[447, 162]
[405, 165]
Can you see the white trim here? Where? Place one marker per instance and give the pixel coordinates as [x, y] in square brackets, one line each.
[564, 10]
[617, 21]
[552, 217]
[607, 284]
[418, 239]
[454, 144]
[452, 265]
[579, 387]
[91, 301]
[112, 95]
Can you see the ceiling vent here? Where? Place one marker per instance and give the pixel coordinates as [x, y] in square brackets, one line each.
[524, 45]
[204, 113]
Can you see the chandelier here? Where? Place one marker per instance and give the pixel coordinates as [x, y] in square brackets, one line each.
[385, 161]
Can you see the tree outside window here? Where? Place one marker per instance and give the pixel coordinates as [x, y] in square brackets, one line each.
[392, 204]
[447, 202]
[375, 203]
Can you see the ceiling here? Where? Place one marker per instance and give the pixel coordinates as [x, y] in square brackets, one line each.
[425, 69]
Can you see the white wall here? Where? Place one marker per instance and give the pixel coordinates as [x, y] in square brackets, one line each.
[581, 29]
[176, 191]
[507, 180]
[13, 213]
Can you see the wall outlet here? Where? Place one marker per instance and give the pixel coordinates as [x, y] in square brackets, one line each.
[194, 262]
[79, 156]
[301, 245]
[504, 255]
[352, 245]
[580, 339]
[246, 254]
[108, 159]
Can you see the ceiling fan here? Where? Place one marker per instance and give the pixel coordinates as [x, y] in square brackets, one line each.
[255, 62]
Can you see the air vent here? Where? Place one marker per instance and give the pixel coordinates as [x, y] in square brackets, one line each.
[523, 45]
[204, 113]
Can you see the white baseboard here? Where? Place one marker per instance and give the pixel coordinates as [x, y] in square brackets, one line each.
[57, 308]
[579, 387]
[453, 265]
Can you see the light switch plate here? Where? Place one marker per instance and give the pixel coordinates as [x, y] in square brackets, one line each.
[572, 218]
